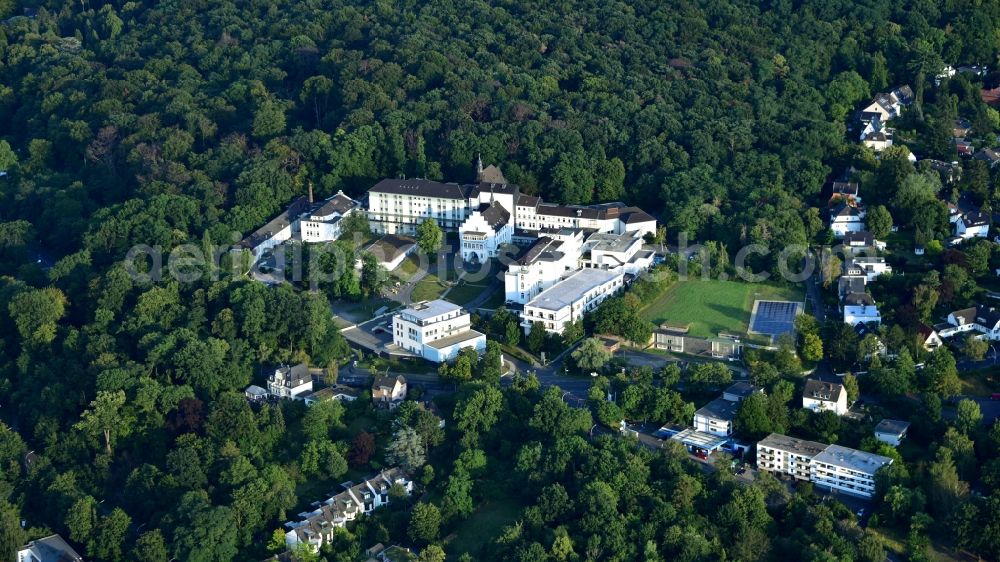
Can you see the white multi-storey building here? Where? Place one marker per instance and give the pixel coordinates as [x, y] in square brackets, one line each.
[616, 252]
[435, 330]
[829, 466]
[484, 232]
[544, 264]
[869, 266]
[847, 470]
[398, 206]
[571, 298]
[323, 224]
[318, 527]
[845, 217]
[860, 308]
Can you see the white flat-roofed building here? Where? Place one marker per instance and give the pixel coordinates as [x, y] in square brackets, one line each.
[891, 431]
[541, 266]
[568, 300]
[616, 252]
[398, 206]
[782, 454]
[716, 417]
[52, 548]
[860, 308]
[436, 330]
[846, 470]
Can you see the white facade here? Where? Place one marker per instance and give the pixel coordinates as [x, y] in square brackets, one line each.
[822, 396]
[435, 330]
[844, 219]
[546, 263]
[616, 252]
[865, 313]
[716, 417]
[290, 382]
[484, 232]
[317, 527]
[831, 467]
[968, 228]
[568, 300]
[869, 266]
[846, 470]
[323, 224]
[399, 206]
[891, 431]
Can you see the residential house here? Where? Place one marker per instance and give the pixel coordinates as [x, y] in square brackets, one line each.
[961, 128]
[929, 338]
[324, 222]
[845, 218]
[738, 391]
[846, 191]
[832, 467]
[950, 172]
[984, 320]
[337, 392]
[973, 224]
[869, 266]
[865, 330]
[860, 308]
[317, 527]
[389, 391]
[879, 140]
[891, 431]
[862, 241]
[820, 396]
[568, 300]
[964, 147]
[52, 548]
[848, 284]
[988, 155]
[290, 382]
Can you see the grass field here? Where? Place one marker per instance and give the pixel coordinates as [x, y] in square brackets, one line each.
[708, 307]
[479, 530]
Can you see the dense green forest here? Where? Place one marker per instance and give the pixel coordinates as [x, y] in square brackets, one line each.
[159, 123]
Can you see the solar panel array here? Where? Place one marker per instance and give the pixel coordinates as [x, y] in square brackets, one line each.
[774, 317]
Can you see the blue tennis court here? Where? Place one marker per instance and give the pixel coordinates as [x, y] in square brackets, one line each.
[774, 318]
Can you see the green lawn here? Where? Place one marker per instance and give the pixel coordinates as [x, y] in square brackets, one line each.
[479, 530]
[980, 383]
[708, 307]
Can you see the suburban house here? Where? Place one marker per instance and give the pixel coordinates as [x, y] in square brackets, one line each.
[435, 330]
[819, 396]
[716, 417]
[290, 382]
[845, 218]
[891, 431]
[964, 147]
[52, 548]
[879, 140]
[391, 250]
[317, 527]
[860, 308]
[862, 241]
[961, 128]
[982, 319]
[485, 231]
[950, 172]
[846, 191]
[389, 391]
[863, 331]
[929, 338]
[547, 261]
[337, 392]
[848, 284]
[869, 266]
[571, 298]
[973, 224]
[832, 467]
[988, 155]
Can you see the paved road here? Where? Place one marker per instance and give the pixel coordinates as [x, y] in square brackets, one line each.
[405, 293]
